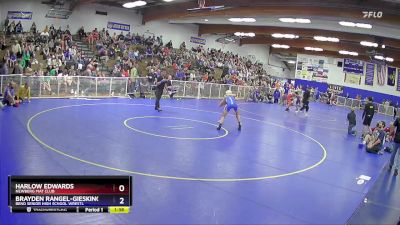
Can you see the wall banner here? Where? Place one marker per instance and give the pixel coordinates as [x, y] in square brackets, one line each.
[118, 26]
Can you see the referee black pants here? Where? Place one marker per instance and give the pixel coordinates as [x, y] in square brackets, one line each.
[305, 106]
[158, 97]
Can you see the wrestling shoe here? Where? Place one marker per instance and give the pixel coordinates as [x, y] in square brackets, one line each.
[219, 127]
[240, 127]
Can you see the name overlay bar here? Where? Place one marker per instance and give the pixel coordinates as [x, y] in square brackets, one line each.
[55, 193]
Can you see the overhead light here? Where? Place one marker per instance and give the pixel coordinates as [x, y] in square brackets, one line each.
[369, 44]
[389, 59]
[344, 52]
[288, 36]
[280, 46]
[294, 20]
[291, 62]
[383, 46]
[359, 25]
[244, 20]
[322, 38]
[313, 49]
[364, 25]
[206, 20]
[168, 0]
[134, 4]
[242, 34]
[379, 57]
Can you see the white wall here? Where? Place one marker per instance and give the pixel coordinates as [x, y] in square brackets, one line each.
[336, 76]
[85, 15]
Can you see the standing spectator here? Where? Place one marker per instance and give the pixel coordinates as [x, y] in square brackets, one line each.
[33, 28]
[351, 118]
[277, 95]
[18, 28]
[395, 158]
[306, 100]
[16, 49]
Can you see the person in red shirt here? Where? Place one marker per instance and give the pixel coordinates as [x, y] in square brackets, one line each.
[289, 100]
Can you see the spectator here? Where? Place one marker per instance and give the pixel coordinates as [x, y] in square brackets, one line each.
[24, 93]
[351, 118]
[33, 28]
[16, 49]
[395, 157]
[18, 28]
[9, 96]
[374, 140]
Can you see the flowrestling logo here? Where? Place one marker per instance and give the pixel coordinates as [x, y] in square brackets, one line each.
[372, 14]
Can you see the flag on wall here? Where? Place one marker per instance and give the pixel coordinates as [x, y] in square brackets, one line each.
[391, 78]
[381, 74]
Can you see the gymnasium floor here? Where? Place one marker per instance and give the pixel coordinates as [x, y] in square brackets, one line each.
[282, 168]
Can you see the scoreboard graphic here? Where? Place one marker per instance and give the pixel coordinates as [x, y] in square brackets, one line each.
[69, 194]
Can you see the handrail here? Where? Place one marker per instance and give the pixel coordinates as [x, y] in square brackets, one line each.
[84, 86]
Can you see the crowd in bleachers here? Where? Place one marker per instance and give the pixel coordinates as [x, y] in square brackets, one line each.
[55, 52]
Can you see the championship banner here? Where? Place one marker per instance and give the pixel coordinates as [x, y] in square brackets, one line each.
[398, 80]
[353, 66]
[391, 79]
[118, 26]
[18, 15]
[196, 40]
[352, 78]
[369, 74]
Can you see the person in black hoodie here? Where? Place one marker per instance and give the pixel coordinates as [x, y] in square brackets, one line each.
[368, 114]
[351, 117]
[306, 100]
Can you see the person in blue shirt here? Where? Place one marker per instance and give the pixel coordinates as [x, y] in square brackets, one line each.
[230, 103]
[277, 95]
[8, 96]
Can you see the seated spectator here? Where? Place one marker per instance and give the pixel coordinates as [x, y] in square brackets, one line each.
[18, 69]
[9, 96]
[24, 93]
[375, 139]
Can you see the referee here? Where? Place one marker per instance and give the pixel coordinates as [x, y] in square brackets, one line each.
[368, 114]
[160, 84]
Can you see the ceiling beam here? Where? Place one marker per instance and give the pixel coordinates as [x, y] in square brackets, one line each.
[325, 53]
[327, 46]
[302, 32]
[179, 11]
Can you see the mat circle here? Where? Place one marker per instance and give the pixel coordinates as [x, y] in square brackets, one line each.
[61, 152]
[226, 132]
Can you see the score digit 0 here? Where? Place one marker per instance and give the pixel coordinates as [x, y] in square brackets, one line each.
[121, 188]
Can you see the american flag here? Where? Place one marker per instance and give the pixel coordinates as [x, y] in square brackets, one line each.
[381, 74]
